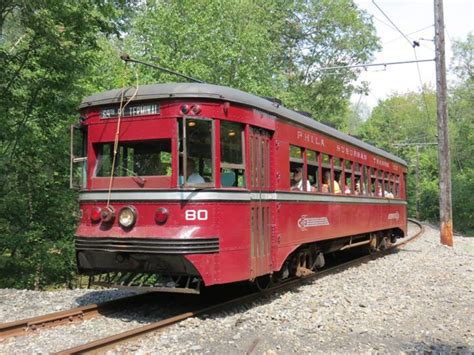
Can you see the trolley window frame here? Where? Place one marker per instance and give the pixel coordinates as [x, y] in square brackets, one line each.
[184, 154]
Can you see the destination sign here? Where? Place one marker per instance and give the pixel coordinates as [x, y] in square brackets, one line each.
[130, 111]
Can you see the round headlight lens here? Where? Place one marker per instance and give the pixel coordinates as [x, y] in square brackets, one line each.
[127, 216]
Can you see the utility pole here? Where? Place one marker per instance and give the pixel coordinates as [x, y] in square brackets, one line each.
[445, 207]
[417, 192]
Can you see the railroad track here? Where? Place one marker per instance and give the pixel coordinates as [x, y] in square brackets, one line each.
[28, 326]
[109, 342]
[74, 315]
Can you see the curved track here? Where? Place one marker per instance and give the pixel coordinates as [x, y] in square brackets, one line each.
[109, 342]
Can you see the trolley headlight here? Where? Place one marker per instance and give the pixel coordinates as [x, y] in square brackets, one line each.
[127, 216]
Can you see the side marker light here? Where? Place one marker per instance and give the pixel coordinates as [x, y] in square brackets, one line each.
[96, 214]
[161, 215]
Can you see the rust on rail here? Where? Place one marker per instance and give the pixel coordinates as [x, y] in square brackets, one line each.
[74, 315]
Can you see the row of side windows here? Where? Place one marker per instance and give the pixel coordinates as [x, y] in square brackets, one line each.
[312, 171]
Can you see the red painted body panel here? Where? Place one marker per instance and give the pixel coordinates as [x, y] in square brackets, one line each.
[342, 220]
[230, 223]
[232, 263]
[294, 220]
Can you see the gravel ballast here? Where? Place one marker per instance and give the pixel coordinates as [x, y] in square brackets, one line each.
[416, 300]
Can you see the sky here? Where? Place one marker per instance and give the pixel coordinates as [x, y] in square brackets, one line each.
[415, 18]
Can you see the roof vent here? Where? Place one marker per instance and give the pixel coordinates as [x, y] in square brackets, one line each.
[273, 99]
[305, 113]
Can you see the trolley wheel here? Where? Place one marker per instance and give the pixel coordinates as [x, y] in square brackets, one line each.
[373, 247]
[264, 282]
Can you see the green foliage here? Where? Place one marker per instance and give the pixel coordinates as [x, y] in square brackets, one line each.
[53, 53]
[394, 125]
[404, 118]
[324, 34]
[44, 51]
[463, 206]
[400, 119]
[461, 114]
[270, 48]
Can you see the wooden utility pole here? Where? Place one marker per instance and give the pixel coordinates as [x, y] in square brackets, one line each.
[417, 192]
[445, 207]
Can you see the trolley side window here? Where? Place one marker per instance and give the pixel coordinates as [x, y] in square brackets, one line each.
[358, 187]
[196, 152]
[298, 174]
[147, 158]
[379, 189]
[397, 186]
[232, 154]
[348, 181]
[313, 169]
[78, 168]
[327, 176]
[364, 180]
[337, 182]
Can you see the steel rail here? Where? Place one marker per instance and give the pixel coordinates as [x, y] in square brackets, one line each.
[74, 315]
[109, 342]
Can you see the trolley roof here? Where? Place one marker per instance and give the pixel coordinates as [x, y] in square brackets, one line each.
[209, 91]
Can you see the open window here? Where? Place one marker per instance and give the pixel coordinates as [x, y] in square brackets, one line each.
[313, 169]
[379, 186]
[78, 165]
[337, 170]
[357, 175]
[364, 187]
[326, 173]
[298, 174]
[348, 180]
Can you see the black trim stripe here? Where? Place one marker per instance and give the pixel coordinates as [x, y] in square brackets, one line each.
[148, 245]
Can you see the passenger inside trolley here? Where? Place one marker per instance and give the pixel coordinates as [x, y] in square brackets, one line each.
[297, 183]
[328, 186]
[193, 176]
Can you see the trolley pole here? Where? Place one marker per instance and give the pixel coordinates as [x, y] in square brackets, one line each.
[445, 207]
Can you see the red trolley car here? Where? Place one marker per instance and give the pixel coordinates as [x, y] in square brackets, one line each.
[189, 184]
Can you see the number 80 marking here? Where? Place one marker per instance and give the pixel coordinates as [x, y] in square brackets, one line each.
[193, 215]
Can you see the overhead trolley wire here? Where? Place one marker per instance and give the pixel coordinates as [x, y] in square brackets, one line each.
[413, 44]
[393, 24]
[411, 33]
[374, 64]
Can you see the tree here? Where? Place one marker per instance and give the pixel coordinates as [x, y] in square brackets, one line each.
[270, 48]
[44, 50]
[324, 34]
[462, 142]
[408, 119]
